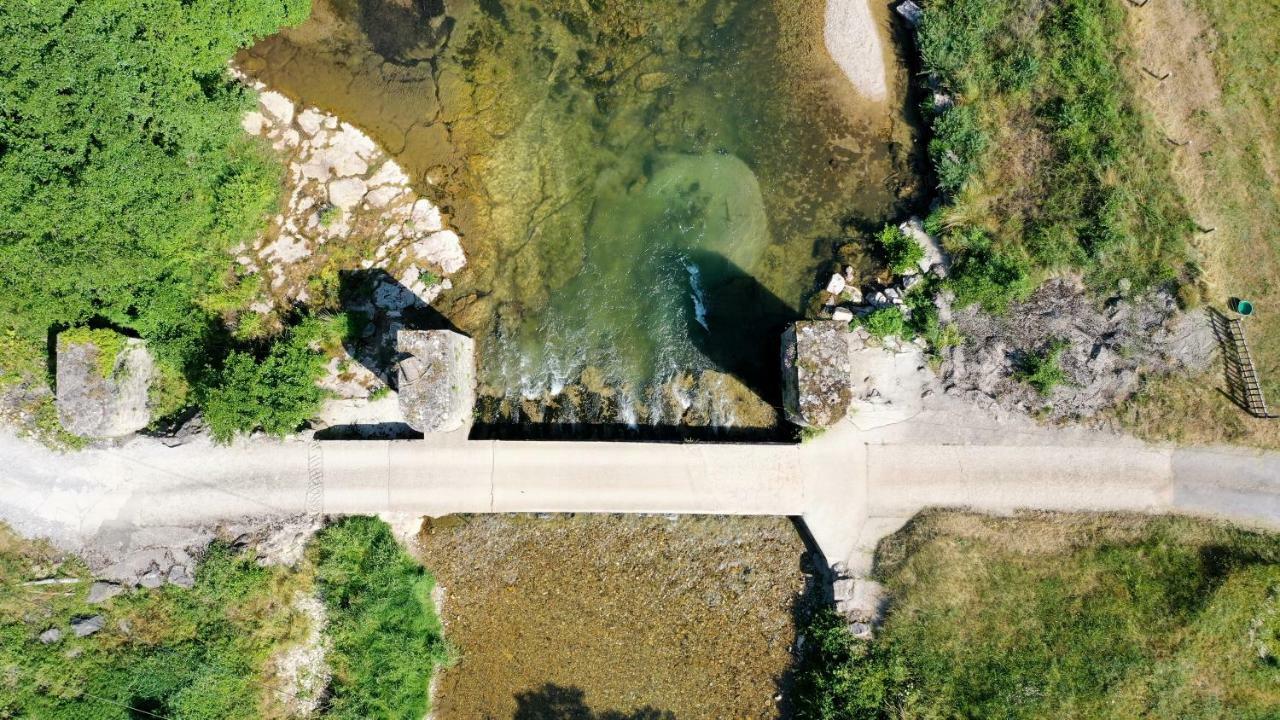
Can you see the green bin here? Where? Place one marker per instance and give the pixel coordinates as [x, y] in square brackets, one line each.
[1244, 307]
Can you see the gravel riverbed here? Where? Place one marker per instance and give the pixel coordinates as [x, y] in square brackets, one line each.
[616, 616]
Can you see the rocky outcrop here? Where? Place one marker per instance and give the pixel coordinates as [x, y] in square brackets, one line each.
[437, 381]
[815, 373]
[343, 194]
[99, 396]
[1106, 348]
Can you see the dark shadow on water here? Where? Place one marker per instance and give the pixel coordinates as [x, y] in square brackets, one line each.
[404, 32]
[743, 338]
[557, 702]
[745, 322]
[620, 432]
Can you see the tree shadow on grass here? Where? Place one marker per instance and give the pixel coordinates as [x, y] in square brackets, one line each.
[557, 702]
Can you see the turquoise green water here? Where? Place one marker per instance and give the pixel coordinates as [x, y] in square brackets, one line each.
[648, 191]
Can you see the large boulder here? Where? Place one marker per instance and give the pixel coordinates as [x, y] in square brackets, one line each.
[816, 388]
[103, 381]
[437, 381]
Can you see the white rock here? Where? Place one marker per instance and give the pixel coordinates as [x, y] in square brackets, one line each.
[842, 315]
[389, 174]
[253, 123]
[836, 284]
[352, 138]
[278, 106]
[934, 255]
[854, 294]
[443, 249]
[382, 196]
[346, 162]
[310, 120]
[426, 217]
[346, 193]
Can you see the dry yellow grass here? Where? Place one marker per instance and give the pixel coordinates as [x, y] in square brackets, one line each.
[1219, 97]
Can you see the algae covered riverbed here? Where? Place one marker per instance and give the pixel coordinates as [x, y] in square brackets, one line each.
[611, 616]
[646, 189]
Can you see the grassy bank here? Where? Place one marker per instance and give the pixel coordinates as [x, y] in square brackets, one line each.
[1220, 96]
[1060, 616]
[209, 652]
[1045, 160]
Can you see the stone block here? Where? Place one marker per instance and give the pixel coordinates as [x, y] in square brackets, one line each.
[437, 381]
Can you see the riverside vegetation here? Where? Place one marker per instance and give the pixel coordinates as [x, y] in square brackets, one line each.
[1135, 147]
[1059, 616]
[206, 652]
[1044, 160]
[124, 181]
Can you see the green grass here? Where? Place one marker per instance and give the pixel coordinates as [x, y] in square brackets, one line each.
[1060, 617]
[1232, 181]
[386, 637]
[1043, 370]
[205, 653]
[108, 342]
[187, 655]
[1045, 162]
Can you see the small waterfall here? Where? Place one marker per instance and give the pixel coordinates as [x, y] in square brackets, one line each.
[697, 294]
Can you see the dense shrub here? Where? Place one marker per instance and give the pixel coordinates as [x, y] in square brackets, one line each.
[885, 322]
[275, 389]
[385, 634]
[1043, 370]
[900, 252]
[124, 174]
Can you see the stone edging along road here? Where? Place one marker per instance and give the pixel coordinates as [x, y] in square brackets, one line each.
[851, 487]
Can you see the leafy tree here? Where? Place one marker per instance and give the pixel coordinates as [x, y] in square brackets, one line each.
[276, 391]
[124, 174]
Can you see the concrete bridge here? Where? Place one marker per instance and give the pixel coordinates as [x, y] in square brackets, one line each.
[851, 486]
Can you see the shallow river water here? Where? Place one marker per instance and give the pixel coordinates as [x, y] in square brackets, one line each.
[648, 191]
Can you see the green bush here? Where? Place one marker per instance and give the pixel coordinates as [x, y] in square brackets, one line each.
[386, 638]
[900, 252]
[986, 276]
[275, 391]
[124, 174]
[885, 322]
[1043, 370]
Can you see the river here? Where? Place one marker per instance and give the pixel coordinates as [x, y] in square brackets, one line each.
[647, 191]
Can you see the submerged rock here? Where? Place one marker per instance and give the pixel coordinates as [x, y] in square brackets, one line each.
[100, 396]
[815, 372]
[437, 382]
